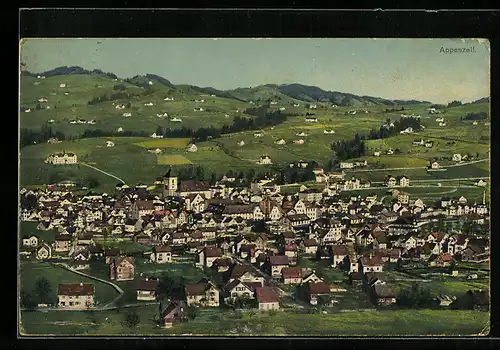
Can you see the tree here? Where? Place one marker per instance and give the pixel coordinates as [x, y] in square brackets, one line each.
[27, 301]
[131, 319]
[92, 182]
[159, 130]
[324, 300]
[38, 107]
[128, 105]
[191, 313]
[399, 265]
[415, 296]
[42, 290]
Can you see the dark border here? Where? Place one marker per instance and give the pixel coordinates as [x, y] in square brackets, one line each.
[271, 23]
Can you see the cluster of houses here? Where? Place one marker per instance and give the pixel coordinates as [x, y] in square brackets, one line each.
[213, 223]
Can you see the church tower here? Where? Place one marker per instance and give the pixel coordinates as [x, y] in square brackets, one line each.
[170, 184]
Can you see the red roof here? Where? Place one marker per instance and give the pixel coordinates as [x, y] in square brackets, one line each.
[291, 272]
[266, 295]
[318, 288]
[279, 260]
[446, 257]
[76, 289]
[150, 285]
[163, 249]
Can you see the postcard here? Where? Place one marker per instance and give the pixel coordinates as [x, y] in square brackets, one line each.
[258, 187]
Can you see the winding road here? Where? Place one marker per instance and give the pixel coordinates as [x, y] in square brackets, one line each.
[104, 172]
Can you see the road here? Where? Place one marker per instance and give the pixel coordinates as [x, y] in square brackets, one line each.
[412, 168]
[270, 281]
[104, 172]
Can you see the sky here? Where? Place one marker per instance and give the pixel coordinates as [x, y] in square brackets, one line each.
[390, 68]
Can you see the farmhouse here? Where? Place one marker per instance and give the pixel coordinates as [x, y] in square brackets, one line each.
[110, 144]
[457, 157]
[280, 142]
[314, 290]
[312, 120]
[263, 160]
[75, 296]
[191, 148]
[203, 294]
[121, 269]
[161, 255]
[62, 158]
[268, 298]
[176, 120]
[346, 165]
[147, 289]
[299, 142]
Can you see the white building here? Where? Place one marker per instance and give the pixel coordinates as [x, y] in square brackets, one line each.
[110, 144]
[264, 160]
[62, 158]
[191, 148]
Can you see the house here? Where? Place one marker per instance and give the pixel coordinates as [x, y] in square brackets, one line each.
[222, 264]
[311, 120]
[376, 153]
[328, 131]
[244, 273]
[171, 312]
[340, 252]
[203, 294]
[80, 260]
[147, 289]
[435, 165]
[61, 243]
[30, 241]
[258, 134]
[122, 269]
[299, 142]
[280, 142]
[310, 246]
[43, 252]
[75, 296]
[481, 183]
[291, 275]
[382, 294]
[371, 264]
[275, 264]
[62, 158]
[346, 165]
[441, 260]
[404, 181]
[310, 277]
[238, 289]
[154, 136]
[241, 143]
[264, 160]
[191, 148]
[314, 290]
[457, 157]
[268, 298]
[161, 255]
[208, 255]
[127, 114]
[110, 144]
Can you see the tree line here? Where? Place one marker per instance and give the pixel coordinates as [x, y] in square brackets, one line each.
[474, 116]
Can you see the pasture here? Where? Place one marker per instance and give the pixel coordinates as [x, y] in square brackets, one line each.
[164, 143]
[172, 159]
[222, 322]
[30, 271]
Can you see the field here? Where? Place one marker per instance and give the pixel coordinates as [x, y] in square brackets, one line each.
[82, 88]
[216, 322]
[31, 271]
[164, 143]
[172, 159]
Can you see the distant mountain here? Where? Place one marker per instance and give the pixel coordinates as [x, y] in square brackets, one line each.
[283, 94]
[73, 70]
[316, 94]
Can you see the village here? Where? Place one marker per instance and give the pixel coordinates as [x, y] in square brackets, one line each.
[260, 248]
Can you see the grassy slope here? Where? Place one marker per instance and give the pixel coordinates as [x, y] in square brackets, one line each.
[31, 271]
[83, 88]
[213, 322]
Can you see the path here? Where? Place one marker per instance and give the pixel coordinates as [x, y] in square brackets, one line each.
[420, 167]
[104, 172]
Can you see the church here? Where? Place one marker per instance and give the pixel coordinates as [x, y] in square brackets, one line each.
[173, 188]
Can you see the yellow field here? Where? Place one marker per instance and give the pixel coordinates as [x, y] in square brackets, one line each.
[172, 159]
[164, 143]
